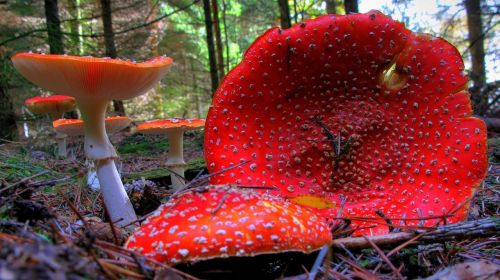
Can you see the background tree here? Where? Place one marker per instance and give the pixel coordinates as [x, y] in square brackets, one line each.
[476, 46]
[284, 14]
[54, 33]
[109, 43]
[218, 40]
[210, 45]
[351, 6]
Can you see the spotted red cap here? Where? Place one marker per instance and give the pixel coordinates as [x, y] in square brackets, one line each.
[55, 105]
[74, 127]
[224, 221]
[161, 126]
[91, 77]
[356, 106]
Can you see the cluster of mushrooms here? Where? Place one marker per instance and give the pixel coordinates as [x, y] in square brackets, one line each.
[354, 111]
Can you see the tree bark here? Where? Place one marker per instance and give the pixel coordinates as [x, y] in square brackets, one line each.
[226, 36]
[210, 44]
[109, 43]
[459, 231]
[218, 40]
[284, 14]
[331, 7]
[7, 115]
[351, 6]
[476, 47]
[75, 27]
[54, 34]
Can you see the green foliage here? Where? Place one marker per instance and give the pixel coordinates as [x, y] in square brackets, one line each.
[138, 143]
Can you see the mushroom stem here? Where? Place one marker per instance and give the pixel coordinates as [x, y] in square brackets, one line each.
[97, 144]
[61, 145]
[175, 157]
[115, 197]
[99, 148]
[175, 152]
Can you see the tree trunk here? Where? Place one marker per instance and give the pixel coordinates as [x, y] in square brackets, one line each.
[218, 39]
[284, 14]
[476, 47]
[331, 7]
[226, 36]
[54, 34]
[351, 6]
[7, 115]
[75, 27]
[210, 44]
[109, 43]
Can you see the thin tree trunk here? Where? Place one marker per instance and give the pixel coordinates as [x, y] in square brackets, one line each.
[351, 6]
[331, 7]
[476, 43]
[226, 36]
[284, 14]
[7, 115]
[109, 43]
[218, 40]
[75, 27]
[210, 44]
[55, 38]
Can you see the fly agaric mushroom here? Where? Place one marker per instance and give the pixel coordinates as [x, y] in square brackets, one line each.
[55, 106]
[174, 128]
[354, 106]
[225, 221]
[94, 82]
[74, 128]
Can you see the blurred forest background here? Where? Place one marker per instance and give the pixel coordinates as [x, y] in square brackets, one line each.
[207, 38]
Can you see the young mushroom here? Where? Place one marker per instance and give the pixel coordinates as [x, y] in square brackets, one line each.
[225, 221]
[94, 82]
[55, 106]
[174, 128]
[352, 106]
[74, 128]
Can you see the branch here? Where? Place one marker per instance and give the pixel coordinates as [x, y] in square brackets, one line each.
[460, 231]
[94, 35]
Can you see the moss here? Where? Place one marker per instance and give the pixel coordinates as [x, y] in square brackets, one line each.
[138, 143]
[194, 165]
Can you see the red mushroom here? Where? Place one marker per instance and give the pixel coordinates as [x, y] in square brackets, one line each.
[74, 128]
[174, 129]
[94, 82]
[55, 106]
[354, 106]
[225, 221]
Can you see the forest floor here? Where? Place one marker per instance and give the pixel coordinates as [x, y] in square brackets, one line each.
[43, 201]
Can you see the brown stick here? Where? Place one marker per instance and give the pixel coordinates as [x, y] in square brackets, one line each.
[460, 231]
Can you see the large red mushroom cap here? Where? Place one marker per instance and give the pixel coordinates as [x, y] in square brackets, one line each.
[91, 77]
[225, 221]
[162, 126]
[55, 105]
[355, 106]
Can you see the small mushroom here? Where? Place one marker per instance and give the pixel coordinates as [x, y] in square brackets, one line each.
[74, 128]
[55, 106]
[94, 82]
[225, 221]
[174, 128]
[353, 106]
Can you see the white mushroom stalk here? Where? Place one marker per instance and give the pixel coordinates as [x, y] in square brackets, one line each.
[174, 128]
[93, 82]
[99, 149]
[175, 157]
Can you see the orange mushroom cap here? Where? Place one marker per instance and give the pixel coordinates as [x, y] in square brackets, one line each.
[90, 77]
[353, 106]
[161, 126]
[74, 127]
[54, 104]
[225, 221]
